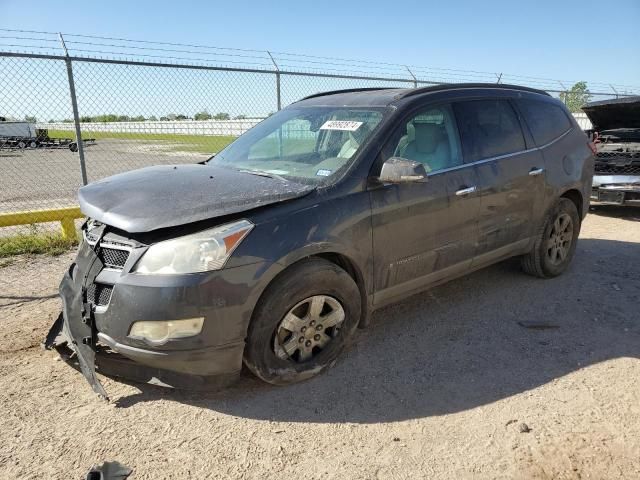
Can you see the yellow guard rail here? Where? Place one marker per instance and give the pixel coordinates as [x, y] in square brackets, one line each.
[65, 216]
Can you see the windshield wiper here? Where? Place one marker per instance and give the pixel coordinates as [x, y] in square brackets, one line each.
[261, 173]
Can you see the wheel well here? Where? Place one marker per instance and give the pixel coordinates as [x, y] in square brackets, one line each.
[354, 272]
[576, 197]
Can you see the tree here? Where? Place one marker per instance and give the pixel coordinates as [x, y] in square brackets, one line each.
[221, 116]
[240, 117]
[139, 118]
[181, 117]
[153, 118]
[203, 115]
[30, 119]
[575, 98]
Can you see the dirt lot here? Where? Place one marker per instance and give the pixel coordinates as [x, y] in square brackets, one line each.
[446, 385]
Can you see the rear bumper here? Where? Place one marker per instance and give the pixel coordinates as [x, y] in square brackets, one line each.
[616, 190]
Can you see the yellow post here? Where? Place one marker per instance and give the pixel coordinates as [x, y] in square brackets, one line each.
[68, 228]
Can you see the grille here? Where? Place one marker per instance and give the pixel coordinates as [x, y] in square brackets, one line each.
[620, 155]
[113, 257]
[99, 294]
[633, 169]
[618, 163]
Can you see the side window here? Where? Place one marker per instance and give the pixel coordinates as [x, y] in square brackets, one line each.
[546, 120]
[431, 138]
[488, 128]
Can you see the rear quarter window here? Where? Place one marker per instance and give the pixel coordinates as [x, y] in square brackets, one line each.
[488, 128]
[546, 120]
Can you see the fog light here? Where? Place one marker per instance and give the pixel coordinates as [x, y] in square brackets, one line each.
[158, 332]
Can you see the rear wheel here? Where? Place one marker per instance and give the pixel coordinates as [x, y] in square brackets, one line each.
[555, 245]
[302, 323]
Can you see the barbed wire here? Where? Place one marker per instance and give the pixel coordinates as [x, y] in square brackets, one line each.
[126, 48]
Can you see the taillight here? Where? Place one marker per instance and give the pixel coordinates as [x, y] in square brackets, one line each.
[592, 147]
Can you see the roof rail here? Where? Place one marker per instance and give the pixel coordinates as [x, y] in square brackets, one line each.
[347, 90]
[449, 86]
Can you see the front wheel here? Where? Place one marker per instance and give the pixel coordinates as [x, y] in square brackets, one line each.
[303, 322]
[556, 242]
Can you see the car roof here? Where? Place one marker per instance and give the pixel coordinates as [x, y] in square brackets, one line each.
[382, 97]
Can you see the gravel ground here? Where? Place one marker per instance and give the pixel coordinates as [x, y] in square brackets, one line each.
[448, 384]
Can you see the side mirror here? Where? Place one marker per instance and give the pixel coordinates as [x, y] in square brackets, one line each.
[401, 170]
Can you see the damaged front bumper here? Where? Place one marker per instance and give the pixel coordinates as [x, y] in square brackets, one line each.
[95, 338]
[616, 189]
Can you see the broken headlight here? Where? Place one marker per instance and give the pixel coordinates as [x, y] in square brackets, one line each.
[198, 252]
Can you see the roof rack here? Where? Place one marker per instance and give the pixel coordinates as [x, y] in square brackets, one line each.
[449, 86]
[347, 90]
[409, 92]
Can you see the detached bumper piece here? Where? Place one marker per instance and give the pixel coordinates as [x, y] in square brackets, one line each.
[75, 326]
[109, 471]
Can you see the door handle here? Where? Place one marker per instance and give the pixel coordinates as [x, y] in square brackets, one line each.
[465, 191]
[536, 171]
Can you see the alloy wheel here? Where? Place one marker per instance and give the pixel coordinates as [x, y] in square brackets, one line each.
[560, 239]
[308, 328]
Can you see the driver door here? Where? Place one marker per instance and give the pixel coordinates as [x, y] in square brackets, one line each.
[424, 233]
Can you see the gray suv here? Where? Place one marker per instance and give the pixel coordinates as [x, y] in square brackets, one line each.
[272, 253]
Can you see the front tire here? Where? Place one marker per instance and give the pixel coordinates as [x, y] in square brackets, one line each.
[302, 323]
[556, 242]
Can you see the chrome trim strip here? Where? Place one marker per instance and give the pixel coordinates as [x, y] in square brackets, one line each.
[499, 157]
[115, 246]
[554, 140]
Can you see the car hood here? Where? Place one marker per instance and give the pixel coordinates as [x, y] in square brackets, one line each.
[166, 196]
[613, 114]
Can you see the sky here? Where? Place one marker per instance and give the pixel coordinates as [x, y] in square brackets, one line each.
[554, 39]
[565, 40]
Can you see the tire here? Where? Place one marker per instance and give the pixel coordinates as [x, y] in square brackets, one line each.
[552, 252]
[73, 146]
[280, 355]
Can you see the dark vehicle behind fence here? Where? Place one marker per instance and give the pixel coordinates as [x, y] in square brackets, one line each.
[616, 125]
[274, 251]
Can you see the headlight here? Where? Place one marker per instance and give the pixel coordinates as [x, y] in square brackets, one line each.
[199, 252]
[159, 332]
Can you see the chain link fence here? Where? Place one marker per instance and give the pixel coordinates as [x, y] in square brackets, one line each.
[163, 104]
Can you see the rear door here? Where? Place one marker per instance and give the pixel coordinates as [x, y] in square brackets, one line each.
[510, 176]
[424, 232]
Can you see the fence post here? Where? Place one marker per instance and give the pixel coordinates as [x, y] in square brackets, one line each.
[278, 95]
[614, 90]
[415, 80]
[565, 91]
[76, 116]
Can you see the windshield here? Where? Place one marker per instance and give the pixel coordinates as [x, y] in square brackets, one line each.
[307, 144]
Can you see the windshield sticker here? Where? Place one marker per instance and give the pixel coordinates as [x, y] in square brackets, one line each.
[323, 173]
[277, 172]
[345, 125]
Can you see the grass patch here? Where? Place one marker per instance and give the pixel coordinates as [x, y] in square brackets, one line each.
[34, 242]
[185, 143]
